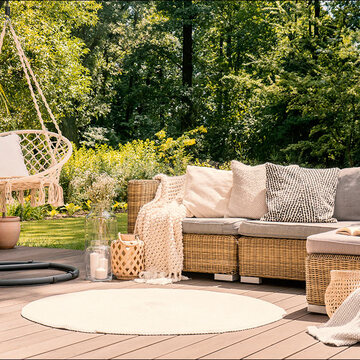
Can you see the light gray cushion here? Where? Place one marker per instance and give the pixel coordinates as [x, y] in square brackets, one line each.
[347, 200]
[296, 194]
[332, 243]
[215, 226]
[287, 230]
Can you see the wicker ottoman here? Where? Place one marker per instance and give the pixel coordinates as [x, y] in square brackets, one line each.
[328, 251]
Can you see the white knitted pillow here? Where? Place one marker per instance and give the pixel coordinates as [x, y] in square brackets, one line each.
[11, 157]
[247, 197]
[207, 191]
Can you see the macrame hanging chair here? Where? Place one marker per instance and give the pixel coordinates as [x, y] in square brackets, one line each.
[44, 152]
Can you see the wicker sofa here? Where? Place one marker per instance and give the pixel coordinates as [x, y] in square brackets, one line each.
[252, 249]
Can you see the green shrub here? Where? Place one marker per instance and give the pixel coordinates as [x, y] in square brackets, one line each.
[139, 159]
[27, 212]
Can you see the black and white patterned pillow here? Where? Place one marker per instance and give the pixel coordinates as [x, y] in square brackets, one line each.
[295, 194]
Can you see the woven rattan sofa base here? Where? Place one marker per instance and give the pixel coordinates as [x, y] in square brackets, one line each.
[139, 193]
[272, 258]
[215, 254]
[318, 267]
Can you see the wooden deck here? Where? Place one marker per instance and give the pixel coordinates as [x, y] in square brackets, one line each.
[20, 338]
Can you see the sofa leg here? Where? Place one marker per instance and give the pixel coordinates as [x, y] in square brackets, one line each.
[250, 280]
[319, 309]
[226, 277]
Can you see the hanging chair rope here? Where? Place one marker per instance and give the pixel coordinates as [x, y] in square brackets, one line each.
[2, 35]
[23, 56]
[44, 165]
[28, 70]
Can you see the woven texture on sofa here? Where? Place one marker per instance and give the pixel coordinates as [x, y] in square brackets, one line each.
[140, 192]
[272, 258]
[215, 254]
[318, 267]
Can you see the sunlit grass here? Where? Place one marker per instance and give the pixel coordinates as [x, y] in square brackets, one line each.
[67, 233]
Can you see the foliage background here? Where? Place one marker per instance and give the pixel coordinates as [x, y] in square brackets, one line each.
[130, 80]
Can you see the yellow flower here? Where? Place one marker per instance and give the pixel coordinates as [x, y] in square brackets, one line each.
[161, 134]
[189, 142]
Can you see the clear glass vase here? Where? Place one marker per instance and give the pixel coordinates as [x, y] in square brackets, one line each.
[100, 230]
[100, 226]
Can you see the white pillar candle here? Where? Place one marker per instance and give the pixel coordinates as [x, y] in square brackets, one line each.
[94, 263]
[103, 263]
[101, 273]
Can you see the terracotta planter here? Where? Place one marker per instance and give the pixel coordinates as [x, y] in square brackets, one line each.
[9, 232]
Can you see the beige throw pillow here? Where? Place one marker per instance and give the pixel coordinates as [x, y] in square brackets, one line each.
[247, 197]
[207, 191]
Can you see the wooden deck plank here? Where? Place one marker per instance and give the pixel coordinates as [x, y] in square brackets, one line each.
[46, 344]
[82, 347]
[16, 333]
[124, 347]
[227, 339]
[165, 347]
[352, 352]
[285, 348]
[258, 342]
[285, 338]
[28, 340]
[317, 351]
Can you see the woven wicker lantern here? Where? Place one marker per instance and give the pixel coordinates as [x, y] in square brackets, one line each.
[127, 256]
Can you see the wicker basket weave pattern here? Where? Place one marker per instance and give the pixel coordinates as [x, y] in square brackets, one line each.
[342, 284]
[215, 254]
[318, 267]
[272, 258]
[127, 259]
[140, 192]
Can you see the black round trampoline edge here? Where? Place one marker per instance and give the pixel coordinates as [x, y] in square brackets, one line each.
[71, 272]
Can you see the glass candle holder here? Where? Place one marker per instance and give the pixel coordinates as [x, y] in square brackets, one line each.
[98, 263]
[100, 226]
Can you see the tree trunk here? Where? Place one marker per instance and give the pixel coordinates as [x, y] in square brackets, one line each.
[187, 65]
[317, 16]
[229, 50]
[69, 129]
[187, 47]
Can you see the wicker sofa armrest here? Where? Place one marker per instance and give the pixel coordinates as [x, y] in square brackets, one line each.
[140, 192]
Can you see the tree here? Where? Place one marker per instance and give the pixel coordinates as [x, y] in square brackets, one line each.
[308, 110]
[45, 31]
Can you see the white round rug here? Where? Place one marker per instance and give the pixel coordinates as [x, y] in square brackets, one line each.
[152, 312]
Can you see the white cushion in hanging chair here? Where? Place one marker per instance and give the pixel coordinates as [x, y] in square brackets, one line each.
[11, 157]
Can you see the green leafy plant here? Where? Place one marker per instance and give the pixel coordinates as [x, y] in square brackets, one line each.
[26, 212]
[120, 206]
[53, 212]
[71, 208]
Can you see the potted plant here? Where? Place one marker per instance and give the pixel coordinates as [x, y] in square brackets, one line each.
[9, 231]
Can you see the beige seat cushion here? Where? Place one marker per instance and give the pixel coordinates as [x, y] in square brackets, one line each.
[247, 197]
[207, 191]
[214, 226]
[332, 243]
[286, 230]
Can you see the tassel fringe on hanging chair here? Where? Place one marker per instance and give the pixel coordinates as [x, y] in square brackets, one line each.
[44, 152]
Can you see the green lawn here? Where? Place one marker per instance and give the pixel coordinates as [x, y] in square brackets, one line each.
[67, 233]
